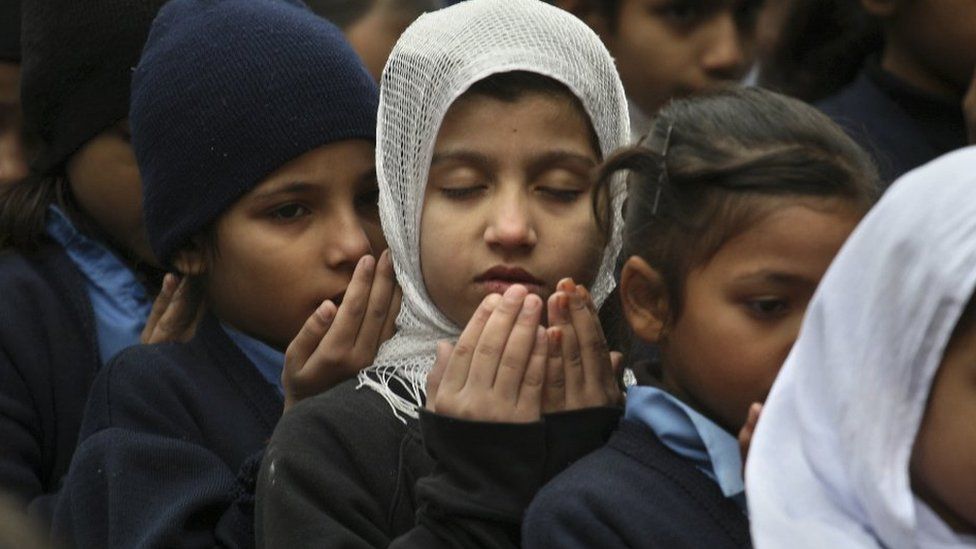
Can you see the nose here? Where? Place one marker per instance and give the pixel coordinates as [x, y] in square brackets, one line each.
[724, 56]
[510, 226]
[346, 241]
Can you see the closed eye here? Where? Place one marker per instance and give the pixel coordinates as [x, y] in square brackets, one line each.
[462, 193]
[766, 308]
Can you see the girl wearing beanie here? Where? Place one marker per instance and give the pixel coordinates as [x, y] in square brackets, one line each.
[493, 114]
[253, 124]
[76, 271]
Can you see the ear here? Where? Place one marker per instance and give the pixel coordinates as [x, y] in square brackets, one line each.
[191, 259]
[882, 9]
[590, 13]
[644, 297]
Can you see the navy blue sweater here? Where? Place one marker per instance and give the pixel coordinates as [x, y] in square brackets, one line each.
[633, 492]
[48, 358]
[900, 126]
[171, 442]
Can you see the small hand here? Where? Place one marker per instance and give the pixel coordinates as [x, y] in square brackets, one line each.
[337, 342]
[496, 370]
[581, 371]
[745, 434]
[175, 311]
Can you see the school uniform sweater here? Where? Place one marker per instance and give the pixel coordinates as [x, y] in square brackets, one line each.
[634, 492]
[901, 126]
[342, 471]
[170, 446]
[48, 358]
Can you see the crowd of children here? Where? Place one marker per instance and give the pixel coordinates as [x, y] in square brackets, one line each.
[487, 273]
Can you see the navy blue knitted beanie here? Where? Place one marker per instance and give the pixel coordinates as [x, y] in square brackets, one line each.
[227, 92]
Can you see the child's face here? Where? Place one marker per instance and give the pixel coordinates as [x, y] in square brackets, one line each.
[293, 241]
[675, 48]
[742, 310]
[508, 201]
[104, 179]
[944, 458]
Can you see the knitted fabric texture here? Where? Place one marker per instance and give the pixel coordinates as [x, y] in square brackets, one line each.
[228, 91]
[10, 30]
[76, 68]
[435, 61]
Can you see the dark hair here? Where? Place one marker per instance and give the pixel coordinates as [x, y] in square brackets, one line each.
[708, 161]
[821, 48]
[23, 210]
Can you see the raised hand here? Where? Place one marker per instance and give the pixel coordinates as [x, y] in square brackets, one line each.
[496, 370]
[175, 311]
[581, 371]
[337, 342]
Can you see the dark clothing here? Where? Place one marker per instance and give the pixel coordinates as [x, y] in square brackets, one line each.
[343, 471]
[634, 492]
[901, 126]
[170, 446]
[48, 359]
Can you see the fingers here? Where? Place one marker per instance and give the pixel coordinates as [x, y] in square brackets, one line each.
[745, 434]
[554, 391]
[389, 328]
[530, 391]
[349, 317]
[456, 372]
[969, 110]
[377, 310]
[436, 373]
[491, 345]
[160, 304]
[569, 349]
[307, 340]
[522, 342]
[595, 355]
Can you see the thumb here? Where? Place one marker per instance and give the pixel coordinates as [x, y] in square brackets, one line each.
[745, 434]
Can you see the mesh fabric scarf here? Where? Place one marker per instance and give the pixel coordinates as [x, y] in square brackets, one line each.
[829, 463]
[436, 60]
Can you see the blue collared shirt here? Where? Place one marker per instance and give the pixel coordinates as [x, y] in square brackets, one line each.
[692, 436]
[268, 360]
[119, 301]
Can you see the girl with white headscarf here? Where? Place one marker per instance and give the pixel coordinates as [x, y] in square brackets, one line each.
[867, 437]
[355, 466]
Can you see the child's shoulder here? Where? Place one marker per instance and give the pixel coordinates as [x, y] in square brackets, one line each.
[634, 490]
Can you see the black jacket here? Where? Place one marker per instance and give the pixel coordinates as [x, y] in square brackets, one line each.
[170, 446]
[634, 492]
[48, 359]
[343, 471]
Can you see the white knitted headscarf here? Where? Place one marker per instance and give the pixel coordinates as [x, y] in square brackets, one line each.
[435, 61]
[829, 463]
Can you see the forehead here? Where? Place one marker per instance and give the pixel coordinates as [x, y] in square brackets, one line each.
[490, 125]
[798, 238]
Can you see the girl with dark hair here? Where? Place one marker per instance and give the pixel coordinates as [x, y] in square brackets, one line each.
[76, 272]
[739, 201]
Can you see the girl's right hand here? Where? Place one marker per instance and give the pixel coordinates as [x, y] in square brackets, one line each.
[496, 370]
[175, 311]
[337, 342]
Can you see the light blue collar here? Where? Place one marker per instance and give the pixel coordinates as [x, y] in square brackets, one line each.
[119, 301]
[692, 436]
[269, 361]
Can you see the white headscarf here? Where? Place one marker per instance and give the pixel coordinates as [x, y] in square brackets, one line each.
[435, 61]
[829, 463]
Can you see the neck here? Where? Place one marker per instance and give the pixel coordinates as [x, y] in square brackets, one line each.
[904, 65]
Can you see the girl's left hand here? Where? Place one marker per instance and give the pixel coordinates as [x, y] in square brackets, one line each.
[745, 434]
[175, 311]
[581, 372]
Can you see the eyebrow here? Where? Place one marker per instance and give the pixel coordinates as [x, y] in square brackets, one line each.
[293, 187]
[536, 163]
[780, 278]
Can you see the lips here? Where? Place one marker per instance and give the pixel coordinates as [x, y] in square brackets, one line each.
[500, 277]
